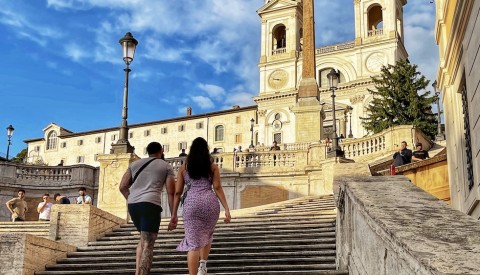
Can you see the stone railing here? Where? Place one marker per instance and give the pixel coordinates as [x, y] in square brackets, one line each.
[178, 161]
[363, 146]
[336, 47]
[384, 142]
[266, 159]
[375, 32]
[44, 173]
[279, 51]
[21, 174]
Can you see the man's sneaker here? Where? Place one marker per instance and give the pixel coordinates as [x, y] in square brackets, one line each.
[202, 270]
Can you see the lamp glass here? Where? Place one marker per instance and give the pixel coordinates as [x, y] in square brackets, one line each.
[333, 77]
[10, 130]
[128, 44]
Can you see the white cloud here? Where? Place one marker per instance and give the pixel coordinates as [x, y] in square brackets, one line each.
[75, 52]
[213, 91]
[239, 98]
[203, 102]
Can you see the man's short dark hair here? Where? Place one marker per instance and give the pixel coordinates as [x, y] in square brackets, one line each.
[153, 148]
[56, 195]
[21, 190]
[82, 189]
[418, 144]
[404, 142]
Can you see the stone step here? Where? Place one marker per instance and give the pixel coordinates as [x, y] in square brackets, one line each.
[226, 239]
[130, 235]
[212, 263]
[122, 256]
[219, 244]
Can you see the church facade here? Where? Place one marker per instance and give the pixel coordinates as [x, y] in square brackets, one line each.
[378, 41]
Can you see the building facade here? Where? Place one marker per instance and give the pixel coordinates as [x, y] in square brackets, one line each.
[458, 36]
[378, 41]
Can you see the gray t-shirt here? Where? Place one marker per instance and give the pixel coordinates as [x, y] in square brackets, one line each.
[149, 183]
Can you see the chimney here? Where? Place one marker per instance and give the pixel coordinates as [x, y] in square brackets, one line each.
[189, 111]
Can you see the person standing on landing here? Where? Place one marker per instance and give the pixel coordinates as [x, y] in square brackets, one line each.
[142, 186]
[201, 208]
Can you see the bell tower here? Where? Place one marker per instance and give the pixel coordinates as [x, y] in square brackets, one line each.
[377, 21]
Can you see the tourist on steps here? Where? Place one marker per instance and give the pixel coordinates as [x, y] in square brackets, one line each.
[18, 207]
[201, 208]
[142, 185]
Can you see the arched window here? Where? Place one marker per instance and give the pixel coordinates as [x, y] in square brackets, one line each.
[375, 20]
[52, 140]
[219, 133]
[279, 39]
[323, 78]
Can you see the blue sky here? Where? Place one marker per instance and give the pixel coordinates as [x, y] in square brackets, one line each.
[62, 61]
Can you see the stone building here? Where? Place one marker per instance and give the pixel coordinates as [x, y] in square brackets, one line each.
[458, 36]
[378, 41]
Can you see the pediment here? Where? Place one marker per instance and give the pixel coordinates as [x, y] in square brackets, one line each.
[327, 105]
[278, 4]
[60, 130]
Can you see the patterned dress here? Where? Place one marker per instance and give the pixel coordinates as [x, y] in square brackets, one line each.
[201, 210]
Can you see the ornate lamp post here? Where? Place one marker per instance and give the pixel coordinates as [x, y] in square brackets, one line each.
[10, 130]
[251, 133]
[129, 45]
[440, 136]
[334, 79]
[349, 109]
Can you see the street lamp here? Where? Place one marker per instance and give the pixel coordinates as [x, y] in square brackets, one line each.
[440, 136]
[349, 109]
[251, 132]
[129, 45]
[334, 79]
[10, 130]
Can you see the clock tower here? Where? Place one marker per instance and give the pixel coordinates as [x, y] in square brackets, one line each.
[281, 42]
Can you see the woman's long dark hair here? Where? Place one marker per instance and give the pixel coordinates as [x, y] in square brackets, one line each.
[198, 160]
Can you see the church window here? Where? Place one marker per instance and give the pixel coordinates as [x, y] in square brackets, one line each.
[63, 145]
[98, 139]
[219, 133]
[181, 128]
[238, 138]
[277, 137]
[164, 130]
[182, 145]
[80, 159]
[130, 135]
[166, 148]
[80, 142]
[52, 140]
[468, 139]
[279, 39]
[146, 133]
[278, 116]
[375, 20]
[199, 125]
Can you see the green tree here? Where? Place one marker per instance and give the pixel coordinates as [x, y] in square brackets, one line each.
[20, 156]
[397, 101]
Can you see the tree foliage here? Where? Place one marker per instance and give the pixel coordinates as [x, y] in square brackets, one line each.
[397, 101]
[20, 156]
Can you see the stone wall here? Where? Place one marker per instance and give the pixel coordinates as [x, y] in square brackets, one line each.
[23, 254]
[79, 224]
[387, 225]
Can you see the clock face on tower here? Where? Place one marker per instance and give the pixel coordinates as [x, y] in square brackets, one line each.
[375, 62]
[278, 79]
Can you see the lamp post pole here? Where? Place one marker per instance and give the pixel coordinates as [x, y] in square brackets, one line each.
[334, 79]
[129, 45]
[251, 133]
[10, 130]
[440, 136]
[350, 134]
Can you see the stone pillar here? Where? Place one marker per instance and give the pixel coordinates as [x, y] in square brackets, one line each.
[343, 127]
[308, 118]
[112, 168]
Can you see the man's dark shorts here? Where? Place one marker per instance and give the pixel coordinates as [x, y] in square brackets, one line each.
[145, 216]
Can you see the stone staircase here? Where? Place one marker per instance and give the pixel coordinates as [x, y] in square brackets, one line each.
[291, 237]
[35, 228]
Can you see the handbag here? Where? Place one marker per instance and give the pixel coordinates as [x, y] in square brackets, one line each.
[184, 195]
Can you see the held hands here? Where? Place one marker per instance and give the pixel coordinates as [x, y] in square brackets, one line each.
[173, 223]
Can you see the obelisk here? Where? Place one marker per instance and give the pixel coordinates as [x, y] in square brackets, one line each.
[309, 122]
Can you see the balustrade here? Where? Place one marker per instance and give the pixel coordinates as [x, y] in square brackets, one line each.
[57, 173]
[336, 47]
[375, 32]
[279, 51]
